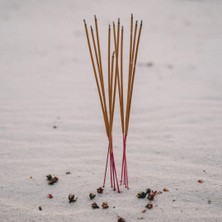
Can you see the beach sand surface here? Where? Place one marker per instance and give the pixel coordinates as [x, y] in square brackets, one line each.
[51, 121]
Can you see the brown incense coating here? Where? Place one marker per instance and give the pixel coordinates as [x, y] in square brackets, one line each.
[101, 69]
[134, 70]
[109, 72]
[112, 91]
[121, 81]
[130, 70]
[96, 78]
[130, 77]
[116, 43]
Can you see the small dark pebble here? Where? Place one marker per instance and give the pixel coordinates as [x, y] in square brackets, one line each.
[67, 173]
[209, 201]
[92, 196]
[174, 200]
[55, 127]
[149, 64]
[149, 206]
[72, 198]
[53, 180]
[94, 205]
[200, 181]
[170, 66]
[100, 190]
[40, 208]
[141, 195]
[120, 219]
[49, 177]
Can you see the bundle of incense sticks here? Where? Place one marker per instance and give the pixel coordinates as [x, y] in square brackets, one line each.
[115, 80]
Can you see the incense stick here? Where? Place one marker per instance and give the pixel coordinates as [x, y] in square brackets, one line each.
[115, 81]
[134, 46]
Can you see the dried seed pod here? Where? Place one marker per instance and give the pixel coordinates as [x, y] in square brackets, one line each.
[149, 206]
[154, 193]
[120, 219]
[50, 196]
[141, 195]
[72, 198]
[166, 189]
[94, 205]
[105, 205]
[92, 196]
[53, 180]
[150, 197]
[49, 177]
[148, 191]
[100, 190]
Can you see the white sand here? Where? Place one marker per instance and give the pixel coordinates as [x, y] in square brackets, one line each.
[176, 124]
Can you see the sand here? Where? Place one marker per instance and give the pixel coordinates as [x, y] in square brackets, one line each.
[174, 140]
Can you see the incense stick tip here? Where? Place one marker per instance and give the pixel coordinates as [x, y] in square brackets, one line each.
[118, 20]
[91, 28]
[84, 21]
[141, 23]
[95, 17]
[131, 15]
[136, 22]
